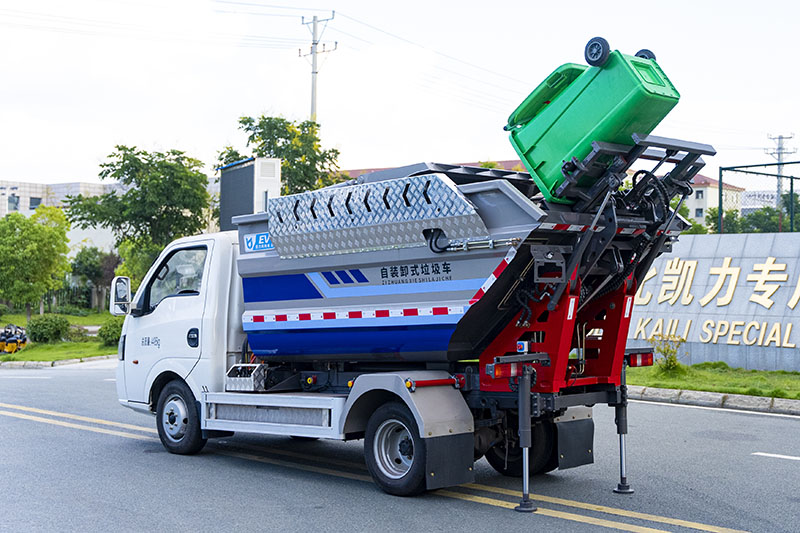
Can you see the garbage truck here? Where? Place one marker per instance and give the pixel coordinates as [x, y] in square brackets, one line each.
[441, 313]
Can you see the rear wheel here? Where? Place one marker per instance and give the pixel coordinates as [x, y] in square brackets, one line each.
[394, 450]
[177, 419]
[509, 462]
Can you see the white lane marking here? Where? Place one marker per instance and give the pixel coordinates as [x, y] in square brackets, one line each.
[26, 377]
[776, 456]
[721, 409]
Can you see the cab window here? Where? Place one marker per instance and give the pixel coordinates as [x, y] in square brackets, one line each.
[180, 274]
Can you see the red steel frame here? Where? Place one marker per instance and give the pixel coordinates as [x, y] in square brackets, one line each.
[604, 353]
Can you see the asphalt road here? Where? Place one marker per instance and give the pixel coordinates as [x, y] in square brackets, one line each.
[72, 459]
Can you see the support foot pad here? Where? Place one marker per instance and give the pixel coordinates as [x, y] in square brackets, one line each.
[525, 506]
[623, 488]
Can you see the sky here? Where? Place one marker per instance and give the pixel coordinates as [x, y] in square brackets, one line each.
[408, 81]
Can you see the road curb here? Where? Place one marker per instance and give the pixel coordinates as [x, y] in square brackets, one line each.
[49, 364]
[715, 399]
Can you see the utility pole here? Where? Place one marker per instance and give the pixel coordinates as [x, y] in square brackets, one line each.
[778, 152]
[316, 35]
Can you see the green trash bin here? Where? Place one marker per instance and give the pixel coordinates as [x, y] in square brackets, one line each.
[578, 104]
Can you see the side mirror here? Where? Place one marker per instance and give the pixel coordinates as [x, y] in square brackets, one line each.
[120, 302]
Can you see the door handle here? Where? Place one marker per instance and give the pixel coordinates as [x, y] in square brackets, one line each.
[193, 338]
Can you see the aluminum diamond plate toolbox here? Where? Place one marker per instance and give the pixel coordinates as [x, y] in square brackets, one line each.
[372, 216]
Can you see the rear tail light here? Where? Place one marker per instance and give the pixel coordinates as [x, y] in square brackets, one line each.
[640, 359]
[504, 370]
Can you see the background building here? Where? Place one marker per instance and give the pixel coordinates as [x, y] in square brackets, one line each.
[24, 197]
[706, 196]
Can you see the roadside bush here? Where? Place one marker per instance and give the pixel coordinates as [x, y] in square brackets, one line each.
[110, 331]
[667, 349]
[4, 309]
[48, 328]
[72, 310]
[77, 334]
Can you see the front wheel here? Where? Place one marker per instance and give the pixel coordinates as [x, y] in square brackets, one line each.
[177, 420]
[394, 450]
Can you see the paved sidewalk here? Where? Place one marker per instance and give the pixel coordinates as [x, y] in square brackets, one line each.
[48, 364]
[715, 399]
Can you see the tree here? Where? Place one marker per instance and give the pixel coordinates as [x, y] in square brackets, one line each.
[96, 267]
[731, 221]
[764, 220]
[165, 197]
[229, 155]
[87, 264]
[137, 256]
[304, 164]
[786, 205]
[488, 164]
[33, 255]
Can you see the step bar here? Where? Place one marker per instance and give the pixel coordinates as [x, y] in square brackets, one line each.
[292, 414]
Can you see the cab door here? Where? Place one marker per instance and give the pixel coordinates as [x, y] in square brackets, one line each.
[167, 316]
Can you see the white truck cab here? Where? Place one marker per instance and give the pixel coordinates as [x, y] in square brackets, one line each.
[183, 322]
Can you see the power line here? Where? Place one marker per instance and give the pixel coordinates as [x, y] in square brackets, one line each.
[271, 6]
[285, 15]
[442, 54]
[380, 30]
[93, 27]
[351, 35]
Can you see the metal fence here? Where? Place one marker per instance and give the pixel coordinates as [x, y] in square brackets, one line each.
[756, 199]
[73, 297]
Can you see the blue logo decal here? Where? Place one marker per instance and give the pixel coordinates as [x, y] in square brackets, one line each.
[258, 242]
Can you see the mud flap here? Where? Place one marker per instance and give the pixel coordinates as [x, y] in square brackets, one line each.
[449, 460]
[575, 443]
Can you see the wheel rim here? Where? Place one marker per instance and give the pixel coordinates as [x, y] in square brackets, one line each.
[594, 51]
[175, 418]
[393, 449]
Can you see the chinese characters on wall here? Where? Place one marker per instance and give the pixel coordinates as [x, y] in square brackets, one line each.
[767, 279]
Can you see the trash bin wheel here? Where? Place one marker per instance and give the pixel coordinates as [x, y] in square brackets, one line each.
[644, 53]
[596, 52]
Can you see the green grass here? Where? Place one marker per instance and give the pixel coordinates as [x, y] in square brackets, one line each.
[719, 377]
[92, 319]
[58, 351]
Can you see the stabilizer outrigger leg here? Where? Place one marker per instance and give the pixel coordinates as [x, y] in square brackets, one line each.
[621, 419]
[525, 442]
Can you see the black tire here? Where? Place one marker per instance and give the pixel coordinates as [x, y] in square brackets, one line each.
[177, 419]
[644, 53]
[596, 51]
[543, 437]
[394, 450]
